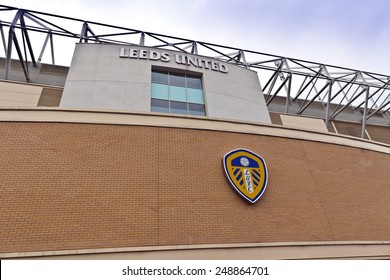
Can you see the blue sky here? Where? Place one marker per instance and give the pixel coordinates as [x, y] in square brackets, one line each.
[354, 34]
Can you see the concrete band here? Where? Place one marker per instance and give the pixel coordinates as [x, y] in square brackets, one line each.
[174, 121]
[282, 250]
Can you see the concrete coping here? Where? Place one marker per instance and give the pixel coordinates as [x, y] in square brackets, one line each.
[59, 115]
[191, 247]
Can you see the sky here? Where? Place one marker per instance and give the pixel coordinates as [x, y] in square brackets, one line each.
[348, 33]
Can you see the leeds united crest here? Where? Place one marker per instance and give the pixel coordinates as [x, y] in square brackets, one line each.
[247, 173]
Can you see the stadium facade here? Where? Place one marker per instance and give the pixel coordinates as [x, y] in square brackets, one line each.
[121, 155]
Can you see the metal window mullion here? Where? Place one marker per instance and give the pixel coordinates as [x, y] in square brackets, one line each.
[185, 87]
[169, 92]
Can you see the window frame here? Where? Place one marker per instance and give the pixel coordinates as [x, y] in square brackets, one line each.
[173, 104]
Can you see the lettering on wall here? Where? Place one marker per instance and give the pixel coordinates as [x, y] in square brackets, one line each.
[179, 58]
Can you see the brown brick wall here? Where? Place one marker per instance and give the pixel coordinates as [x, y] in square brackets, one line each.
[73, 186]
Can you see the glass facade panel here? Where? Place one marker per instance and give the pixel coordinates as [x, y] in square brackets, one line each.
[196, 109]
[177, 80]
[178, 107]
[160, 91]
[195, 96]
[194, 82]
[160, 77]
[159, 105]
[177, 93]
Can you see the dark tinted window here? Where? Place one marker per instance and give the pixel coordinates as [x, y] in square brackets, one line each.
[177, 80]
[160, 77]
[177, 93]
[194, 82]
[196, 109]
[159, 105]
[179, 107]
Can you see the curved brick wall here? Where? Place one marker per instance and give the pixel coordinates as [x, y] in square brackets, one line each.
[73, 186]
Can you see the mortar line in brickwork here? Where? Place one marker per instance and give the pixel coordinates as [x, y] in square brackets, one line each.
[319, 195]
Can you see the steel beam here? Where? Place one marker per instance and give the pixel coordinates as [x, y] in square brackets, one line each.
[45, 23]
[374, 93]
[279, 88]
[3, 37]
[304, 88]
[379, 109]
[194, 48]
[288, 97]
[52, 48]
[312, 100]
[11, 35]
[327, 112]
[21, 60]
[25, 33]
[142, 39]
[348, 103]
[364, 122]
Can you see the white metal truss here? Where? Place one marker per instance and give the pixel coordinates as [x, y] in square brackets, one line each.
[299, 81]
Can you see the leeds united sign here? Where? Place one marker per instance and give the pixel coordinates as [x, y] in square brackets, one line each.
[179, 58]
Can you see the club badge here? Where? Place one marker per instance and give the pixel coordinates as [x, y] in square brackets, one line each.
[247, 173]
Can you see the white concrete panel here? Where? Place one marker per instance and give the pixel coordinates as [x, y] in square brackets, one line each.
[304, 123]
[19, 95]
[101, 77]
[108, 95]
[236, 108]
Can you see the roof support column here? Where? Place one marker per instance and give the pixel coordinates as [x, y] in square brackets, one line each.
[11, 35]
[363, 134]
[327, 112]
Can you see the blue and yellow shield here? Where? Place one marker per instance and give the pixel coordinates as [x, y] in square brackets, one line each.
[247, 173]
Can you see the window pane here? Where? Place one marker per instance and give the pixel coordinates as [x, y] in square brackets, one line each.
[177, 80]
[160, 105]
[177, 93]
[194, 82]
[160, 77]
[160, 91]
[196, 109]
[178, 107]
[195, 95]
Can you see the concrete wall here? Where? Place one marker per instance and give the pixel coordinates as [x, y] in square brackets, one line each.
[42, 74]
[19, 95]
[304, 123]
[100, 79]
